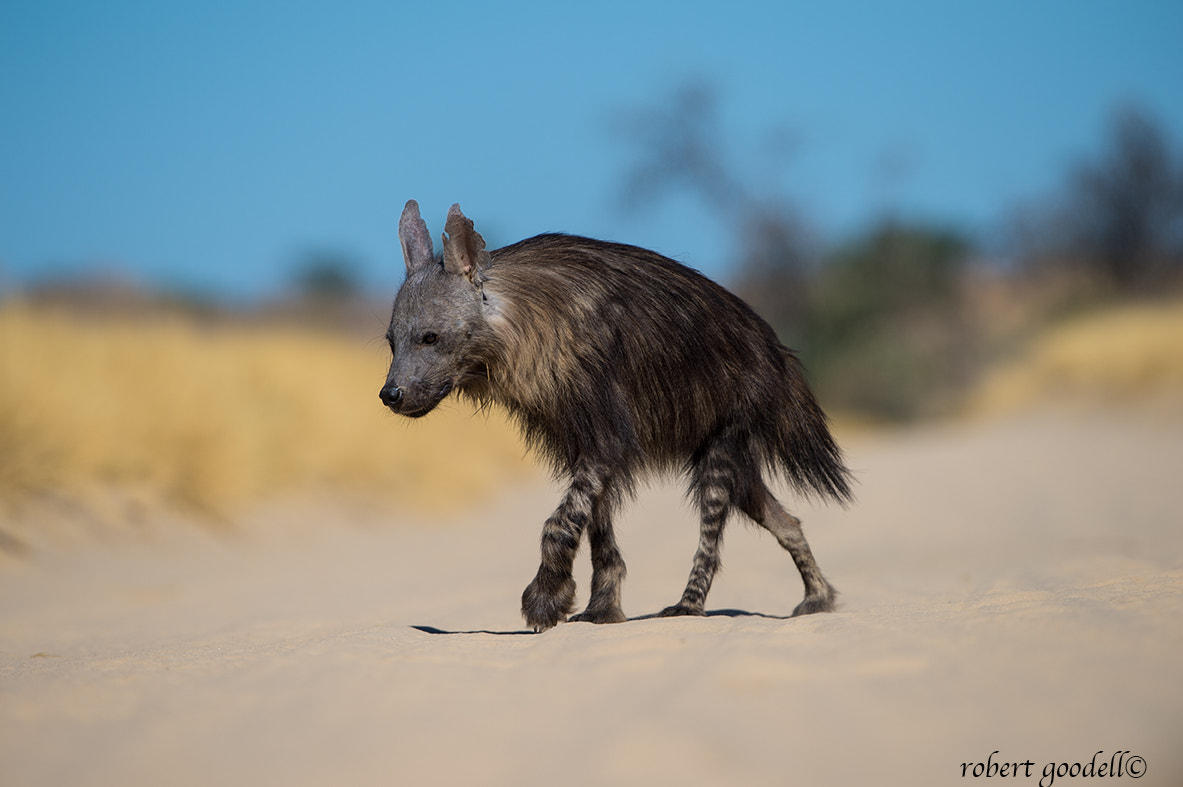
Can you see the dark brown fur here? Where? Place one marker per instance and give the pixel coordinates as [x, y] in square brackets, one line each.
[615, 361]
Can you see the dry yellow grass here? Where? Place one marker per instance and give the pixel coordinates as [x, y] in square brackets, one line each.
[214, 418]
[1120, 355]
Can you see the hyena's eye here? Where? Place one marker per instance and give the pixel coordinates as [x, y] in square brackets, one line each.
[429, 338]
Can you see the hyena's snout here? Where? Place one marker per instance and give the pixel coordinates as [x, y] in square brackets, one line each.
[415, 398]
[391, 396]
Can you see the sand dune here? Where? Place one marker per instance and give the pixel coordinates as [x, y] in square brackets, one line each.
[1011, 587]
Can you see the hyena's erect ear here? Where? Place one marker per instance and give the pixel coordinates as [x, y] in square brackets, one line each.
[413, 235]
[464, 248]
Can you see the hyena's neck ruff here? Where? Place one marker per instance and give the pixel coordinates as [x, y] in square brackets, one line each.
[615, 361]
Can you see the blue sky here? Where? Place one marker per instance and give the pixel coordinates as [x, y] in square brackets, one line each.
[211, 146]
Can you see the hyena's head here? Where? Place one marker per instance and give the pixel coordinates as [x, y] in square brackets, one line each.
[437, 324]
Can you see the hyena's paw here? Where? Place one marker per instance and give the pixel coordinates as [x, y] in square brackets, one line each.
[824, 601]
[679, 610]
[608, 615]
[548, 600]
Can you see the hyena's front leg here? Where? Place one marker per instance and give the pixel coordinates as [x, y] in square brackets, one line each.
[549, 598]
[607, 565]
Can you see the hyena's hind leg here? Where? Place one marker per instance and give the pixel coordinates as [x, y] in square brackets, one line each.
[767, 512]
[714, 480]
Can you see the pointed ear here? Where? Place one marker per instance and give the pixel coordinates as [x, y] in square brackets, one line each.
[416, 242]
[464, 248]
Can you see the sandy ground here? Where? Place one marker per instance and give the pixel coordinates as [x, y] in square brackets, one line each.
[1014, 587]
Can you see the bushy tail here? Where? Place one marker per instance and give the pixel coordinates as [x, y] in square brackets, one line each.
[809, 456]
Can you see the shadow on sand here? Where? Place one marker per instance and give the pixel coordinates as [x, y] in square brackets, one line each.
[715, 613]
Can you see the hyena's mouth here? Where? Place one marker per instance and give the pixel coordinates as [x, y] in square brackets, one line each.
[423, 409]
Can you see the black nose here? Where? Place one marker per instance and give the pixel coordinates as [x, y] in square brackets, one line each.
[391, 396]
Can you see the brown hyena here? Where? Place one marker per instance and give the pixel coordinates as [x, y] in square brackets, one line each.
[614, 361]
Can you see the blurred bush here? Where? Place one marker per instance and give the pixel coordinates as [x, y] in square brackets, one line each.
[900, 321]
[1117, 220]
[884, 327]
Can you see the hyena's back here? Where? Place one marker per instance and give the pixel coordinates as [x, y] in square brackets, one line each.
[649, 359]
